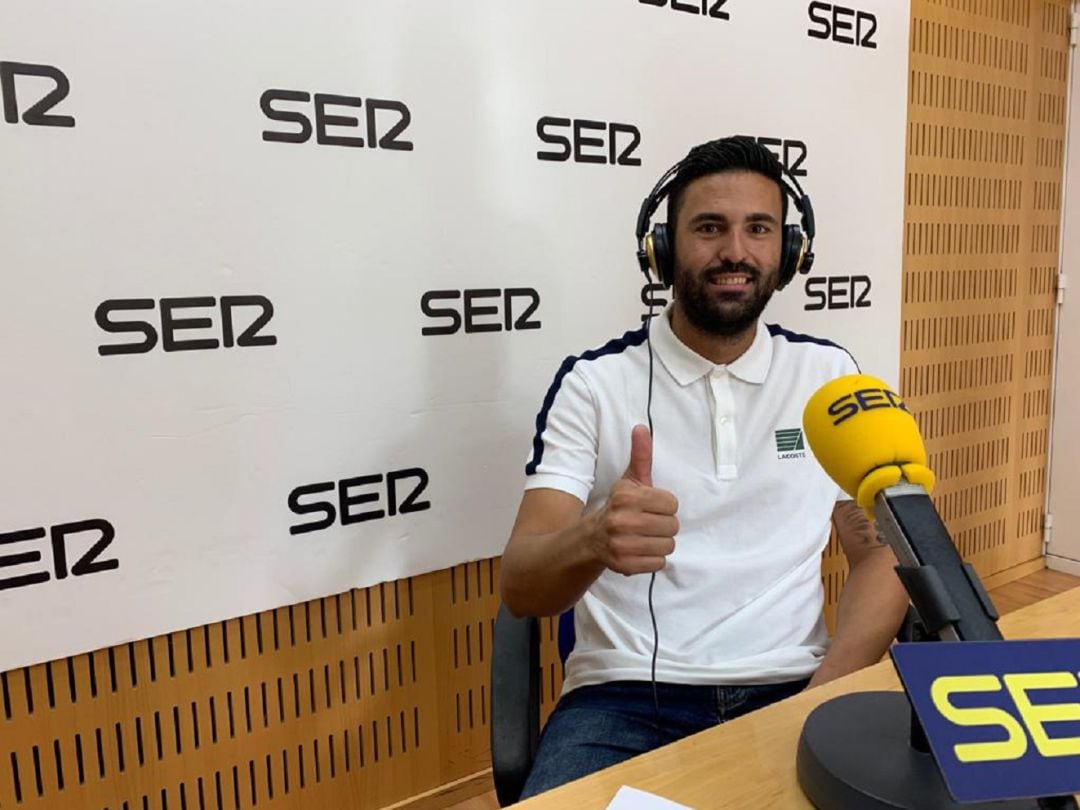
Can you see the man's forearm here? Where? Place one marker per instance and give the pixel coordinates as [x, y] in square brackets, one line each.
[546, 574]
[872, 607]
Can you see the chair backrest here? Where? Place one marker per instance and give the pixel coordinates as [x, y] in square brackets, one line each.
[515, 702]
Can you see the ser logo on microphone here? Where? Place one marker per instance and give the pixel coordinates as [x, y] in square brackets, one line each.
[865, 399]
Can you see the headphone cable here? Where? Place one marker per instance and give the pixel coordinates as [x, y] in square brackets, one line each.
[652, 578]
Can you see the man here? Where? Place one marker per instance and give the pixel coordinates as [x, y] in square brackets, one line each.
[731, 528]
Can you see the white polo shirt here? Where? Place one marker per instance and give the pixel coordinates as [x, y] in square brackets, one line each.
[740, 601]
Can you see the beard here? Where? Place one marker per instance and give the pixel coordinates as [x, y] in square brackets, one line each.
[716, 312]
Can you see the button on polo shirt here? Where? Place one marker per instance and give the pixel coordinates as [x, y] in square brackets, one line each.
[687, 367]
[740, 600]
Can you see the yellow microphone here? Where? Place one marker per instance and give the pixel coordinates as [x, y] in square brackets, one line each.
[865, 438]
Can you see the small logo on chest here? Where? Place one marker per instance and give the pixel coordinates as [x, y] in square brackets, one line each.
[790, 444]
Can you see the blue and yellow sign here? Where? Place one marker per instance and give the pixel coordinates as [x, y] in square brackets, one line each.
[1002, 717]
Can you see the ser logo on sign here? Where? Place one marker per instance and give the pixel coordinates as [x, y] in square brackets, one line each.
[38, 113]
[706, 8]
[172, 323]
[400, 499]
[1032, 716]
[1002, 717]
[85, 538]
[384, 121]
[841, 24]
[586, 141]
[479, 310]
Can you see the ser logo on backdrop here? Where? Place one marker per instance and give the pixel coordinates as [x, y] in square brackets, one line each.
[74, 549]
[706, 8]
[383, 126]
[848, 26]
[35, 106]
[359, 499]
[838, 292]
[655, 298]
[790, 152]
[482, 310]
[257, 311]
[583, 140]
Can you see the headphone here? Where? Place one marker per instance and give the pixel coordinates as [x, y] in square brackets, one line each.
[656, 249]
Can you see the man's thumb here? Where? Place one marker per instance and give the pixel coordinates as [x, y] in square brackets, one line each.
[640, 469]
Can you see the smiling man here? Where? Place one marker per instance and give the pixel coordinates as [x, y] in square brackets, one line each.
[714, 523]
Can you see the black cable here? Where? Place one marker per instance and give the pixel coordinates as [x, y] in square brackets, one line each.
[655, 650]
[652, 579]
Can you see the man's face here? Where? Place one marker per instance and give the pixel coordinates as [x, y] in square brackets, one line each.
[727, 250]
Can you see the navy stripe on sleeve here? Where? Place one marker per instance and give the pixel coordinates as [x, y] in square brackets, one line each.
[614, 346]
[794, 337]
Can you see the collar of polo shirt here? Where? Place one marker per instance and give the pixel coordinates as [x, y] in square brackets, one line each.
[686, 365]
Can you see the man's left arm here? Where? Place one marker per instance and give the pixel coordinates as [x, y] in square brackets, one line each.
[872, 602]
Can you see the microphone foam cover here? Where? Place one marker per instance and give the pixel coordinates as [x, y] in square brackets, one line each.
[864, 437]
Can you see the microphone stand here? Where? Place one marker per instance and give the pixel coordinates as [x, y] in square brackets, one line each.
[868, 750]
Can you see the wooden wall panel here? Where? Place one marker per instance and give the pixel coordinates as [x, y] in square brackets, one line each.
[358, 700]
[985, 157]
[986, 131]
[367, 698]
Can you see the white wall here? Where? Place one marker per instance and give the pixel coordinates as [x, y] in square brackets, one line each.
[193, 457]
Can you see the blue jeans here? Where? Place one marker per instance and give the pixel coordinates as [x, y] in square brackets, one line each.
[593, 727]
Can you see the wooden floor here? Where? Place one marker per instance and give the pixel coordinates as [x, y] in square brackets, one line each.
[1007, 598]
[1031, 589]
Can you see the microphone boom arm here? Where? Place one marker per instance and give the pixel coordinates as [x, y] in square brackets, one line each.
[947, 594]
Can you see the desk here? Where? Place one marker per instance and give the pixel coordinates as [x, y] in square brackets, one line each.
[750, 762]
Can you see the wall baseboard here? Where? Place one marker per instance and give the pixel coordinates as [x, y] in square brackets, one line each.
[449, 794]
[1063, 564]
[1014, 573]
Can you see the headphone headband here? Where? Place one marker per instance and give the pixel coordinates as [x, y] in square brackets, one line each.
[652, 202]
[662, 189]
[655, 249]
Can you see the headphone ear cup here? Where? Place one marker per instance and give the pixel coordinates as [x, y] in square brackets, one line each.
[663, 255]
[790, 248]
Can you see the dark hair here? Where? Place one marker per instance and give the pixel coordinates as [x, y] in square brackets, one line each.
[739, 153]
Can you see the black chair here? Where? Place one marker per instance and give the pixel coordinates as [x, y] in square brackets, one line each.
[515, 698]
[515, 703]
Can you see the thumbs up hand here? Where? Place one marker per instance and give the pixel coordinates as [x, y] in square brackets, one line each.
[635, 532]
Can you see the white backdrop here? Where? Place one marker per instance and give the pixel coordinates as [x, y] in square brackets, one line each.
[165, 187]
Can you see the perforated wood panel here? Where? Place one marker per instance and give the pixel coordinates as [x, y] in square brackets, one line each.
[986, 140]
[373, 696]
[356, 700]
[985, 156]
